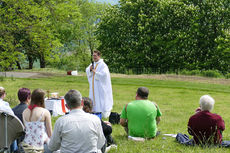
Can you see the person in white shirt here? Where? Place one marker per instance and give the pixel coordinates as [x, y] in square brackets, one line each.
[77, 132]
[100, 88]
[4, 106]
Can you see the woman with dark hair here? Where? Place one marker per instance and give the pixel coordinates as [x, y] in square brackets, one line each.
[106, 126]
[37, 121]
[24, 95]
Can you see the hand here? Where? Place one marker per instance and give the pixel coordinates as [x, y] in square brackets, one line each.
[108, 123]
[91, 67]
[94, 71]
[47, 140]
[198, 110]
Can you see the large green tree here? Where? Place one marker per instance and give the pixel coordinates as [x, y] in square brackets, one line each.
[42, 30]
[76, 30]
[164, 35]
[29, 26]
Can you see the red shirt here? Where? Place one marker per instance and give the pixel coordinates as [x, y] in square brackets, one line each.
[206, 127]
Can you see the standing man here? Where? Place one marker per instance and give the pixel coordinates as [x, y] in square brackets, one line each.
[100, 88]
[140, 117]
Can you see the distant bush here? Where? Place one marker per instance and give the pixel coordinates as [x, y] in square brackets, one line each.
[192, 72]
[195, 72]
[227, 76]
[206, 73]
[12, 99]
[70, 62]
[64, 63]
[211, 73]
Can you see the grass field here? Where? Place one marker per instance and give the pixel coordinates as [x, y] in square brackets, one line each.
[176, 99]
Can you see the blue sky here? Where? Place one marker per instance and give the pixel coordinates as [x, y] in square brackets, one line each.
[109, 1]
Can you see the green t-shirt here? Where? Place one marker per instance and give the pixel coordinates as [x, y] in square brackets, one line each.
[141, 115]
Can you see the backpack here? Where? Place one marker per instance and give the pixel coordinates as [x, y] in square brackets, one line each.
[114, 118]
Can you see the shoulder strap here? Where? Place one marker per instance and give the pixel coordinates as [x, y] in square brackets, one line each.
[126, 108]
[155, 105]
[41, 116]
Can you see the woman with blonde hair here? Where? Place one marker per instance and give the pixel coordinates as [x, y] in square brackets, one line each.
[37, 121]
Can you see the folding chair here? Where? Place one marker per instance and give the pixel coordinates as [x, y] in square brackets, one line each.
[11, 128]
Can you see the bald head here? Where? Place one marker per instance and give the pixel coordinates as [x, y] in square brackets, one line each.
[143, 92]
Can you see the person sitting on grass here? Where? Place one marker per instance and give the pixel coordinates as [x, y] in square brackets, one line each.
[77, 132]
[4, 106]
[24, 96]
[141, 117]
[106, 126]
[37, 121]
[204, 126]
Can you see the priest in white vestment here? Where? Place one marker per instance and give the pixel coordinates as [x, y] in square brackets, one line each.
[100, 88]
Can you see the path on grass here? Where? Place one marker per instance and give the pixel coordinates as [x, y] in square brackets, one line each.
[158, 77]
[29, 74]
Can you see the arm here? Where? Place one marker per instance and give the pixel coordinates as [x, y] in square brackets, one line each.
[107, 129]
[123, 122]
[88, 72]
[23, 118]
[158, 119]
[6, 108]
[101, 137]
[221, 124]
[55, 141]
[102, 73]
[190, 131]
[123, 117]
[48, 123]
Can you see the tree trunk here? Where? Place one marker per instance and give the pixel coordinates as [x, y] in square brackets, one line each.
[42, 61]
[18, 65]
[31, 62]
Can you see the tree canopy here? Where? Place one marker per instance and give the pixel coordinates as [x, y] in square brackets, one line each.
[166, 35]
[46, 30]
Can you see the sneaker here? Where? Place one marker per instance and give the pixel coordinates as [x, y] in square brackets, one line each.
[136, 138]
[112, 146]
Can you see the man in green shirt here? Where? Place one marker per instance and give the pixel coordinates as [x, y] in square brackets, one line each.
[141, 116]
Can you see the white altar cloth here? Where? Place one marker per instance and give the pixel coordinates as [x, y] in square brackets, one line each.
[56, 106]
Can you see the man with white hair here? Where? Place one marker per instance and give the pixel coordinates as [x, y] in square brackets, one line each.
[4, 106]
[204, 126]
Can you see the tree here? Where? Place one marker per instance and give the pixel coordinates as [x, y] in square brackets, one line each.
[8, 52]
[164, 35]
[76, 30]
[28, 26]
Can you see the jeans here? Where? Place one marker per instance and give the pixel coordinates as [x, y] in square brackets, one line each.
[46, 149]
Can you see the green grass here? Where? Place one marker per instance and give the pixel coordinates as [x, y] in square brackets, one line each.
[177, 101]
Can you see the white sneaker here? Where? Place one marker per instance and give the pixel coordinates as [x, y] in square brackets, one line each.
[112, 146]
[136, 138]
